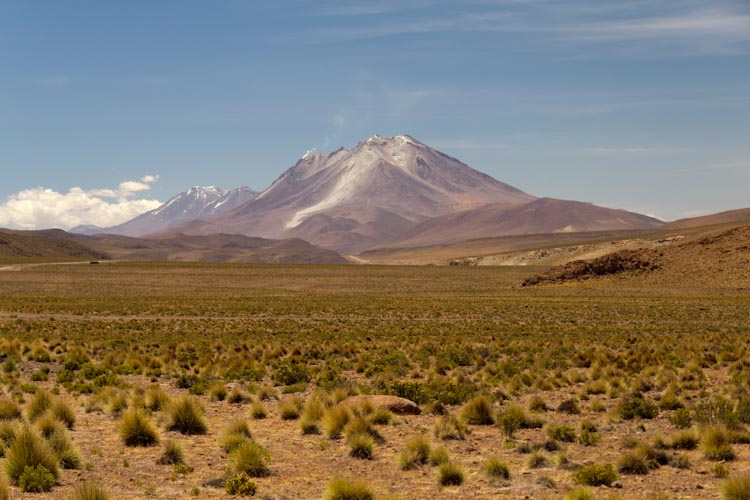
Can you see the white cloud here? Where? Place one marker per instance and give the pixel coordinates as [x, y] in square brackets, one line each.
[40, 207]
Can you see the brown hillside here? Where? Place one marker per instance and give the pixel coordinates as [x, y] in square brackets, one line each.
[740, 215]
[52, 243]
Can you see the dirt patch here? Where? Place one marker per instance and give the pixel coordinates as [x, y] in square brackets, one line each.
[614, 263]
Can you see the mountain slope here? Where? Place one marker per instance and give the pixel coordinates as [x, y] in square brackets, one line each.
[351, 199]
[194, 203]
[740, 215]
[541, 216]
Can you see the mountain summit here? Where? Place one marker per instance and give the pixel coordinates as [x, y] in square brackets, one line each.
[194, 203]
[352, 199]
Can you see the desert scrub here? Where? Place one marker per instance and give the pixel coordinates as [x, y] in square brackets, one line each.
[536, 460]
[67, 455]
[4, 491]
[156, 398]
[345, 489]
[136, 429]
[217, 392]
[719, 470]
[513, 418]
[715, 444]
[450, 474]
[312, 414]
[29, 450]
[736, 487]
[478, 411]
[416, 453]
[684, 440]
[569, 406]
[290, 409]
[596, 475]
[495, 467]
[172, 454]
[241, 484]
[89, 491]
[186, 416]
[250, 458]
[632, 462]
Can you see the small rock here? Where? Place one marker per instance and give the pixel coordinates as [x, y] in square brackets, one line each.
[399, 406]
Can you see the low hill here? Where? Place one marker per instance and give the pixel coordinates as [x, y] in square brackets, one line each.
[52, 243]
[213, 248]
[740, 215]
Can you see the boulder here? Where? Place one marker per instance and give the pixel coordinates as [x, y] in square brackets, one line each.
[399, 406]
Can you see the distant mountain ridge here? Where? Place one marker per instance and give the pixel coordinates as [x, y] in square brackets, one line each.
[194, 203]
[352, 199]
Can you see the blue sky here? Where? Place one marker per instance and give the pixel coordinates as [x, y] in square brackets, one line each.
[643, 105]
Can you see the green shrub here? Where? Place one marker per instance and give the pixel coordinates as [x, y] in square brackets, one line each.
[89, 491]
[288, 373]
[241, 484]
[136, 429]
[681, 418]
[496, 467]
[512, 419]
[569, 406]
[361, 445]
[562, 432]
[478, 411]
[715, 444]
[29, 450]
[720, 470]
[186, 416]
[416, 453]
[736, 487]
[537, 404]
[36, 479]
[636, 406]
[344, 489]
[250, 458]
[596, 475]
[536, 460]
[450, 474]
[172, 453]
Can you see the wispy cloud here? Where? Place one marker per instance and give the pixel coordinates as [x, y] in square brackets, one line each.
[45, 208]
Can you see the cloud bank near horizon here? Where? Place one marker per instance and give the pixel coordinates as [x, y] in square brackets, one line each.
[41, 208]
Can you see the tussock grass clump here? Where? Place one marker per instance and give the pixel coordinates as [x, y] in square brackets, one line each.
[736, 487]
[538, 405]
[361, 445]
[4, 491]
[439, 455]
[580, 493]
[156, 398]
[684, 440]
[63, 412]
[569, 406]
[335, 420]
[186, 416]
[312, 414]
[345, 489]
[715, 444]
[29, 450]
[596, 475]
[217, 392]
[39, 405]
[636, 406]
[632, 462]
[234, 435]
[90, 491]
[449, 427]
[497, 468]
[173, 454]
[9, 409]
[67, 454]
[415, 453]
[478, 411]
[250, 458]
[290, 409]
[258, 410]
[537, 460]
[361, 425]
[136, 429]
[450, 474]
